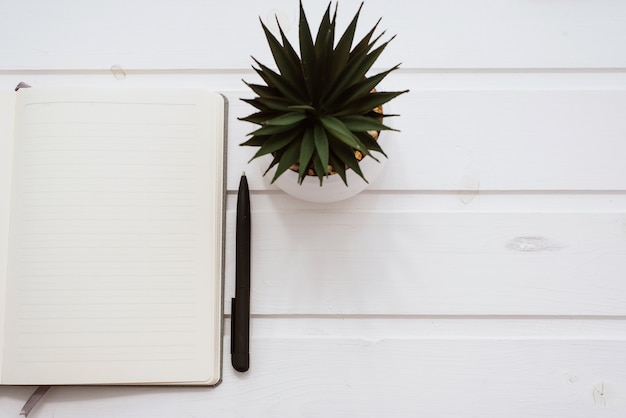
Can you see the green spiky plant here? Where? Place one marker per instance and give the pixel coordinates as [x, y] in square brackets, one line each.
[317, 113]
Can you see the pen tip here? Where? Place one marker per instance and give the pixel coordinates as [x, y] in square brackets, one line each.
[243, 174]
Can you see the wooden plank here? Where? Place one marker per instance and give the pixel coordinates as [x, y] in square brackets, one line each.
[184, 34]
[457, 135]
[436, 327]
[381, 255]
[492, 140]
[398, 377]
[499, 294]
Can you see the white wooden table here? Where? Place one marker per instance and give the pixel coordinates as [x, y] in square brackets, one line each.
[483, 274]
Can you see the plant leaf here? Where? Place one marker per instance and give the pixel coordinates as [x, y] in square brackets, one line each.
[271, 104]
[259, 117]
[354, 72]
[364, 44]
[370, 143]
[339, 131]
[292, 118]
[366, 61]
[302, 107]
[276, 142]
[275, 161]
[338, 166]
[255, 141]
[307, 51]
[262, 90]
[324, 28]
[306, 152]
[323, 55]
[347, 157]
[288, 67]
[320, 170]
[364, 104]
[358, 123]
[365, 85]
[288, 158]
[293, 56]
[255, 102]
[275, 80]
[321, 145]
[271, 130]
[342, 50]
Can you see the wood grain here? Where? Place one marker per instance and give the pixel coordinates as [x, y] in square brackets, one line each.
[482, 275]
[496, 140]
[394, 258]
[398, 377]
[443, 34]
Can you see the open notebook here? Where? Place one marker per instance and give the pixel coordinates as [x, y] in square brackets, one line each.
[111, 236]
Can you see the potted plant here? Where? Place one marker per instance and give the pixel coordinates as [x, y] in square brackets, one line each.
[319, 114]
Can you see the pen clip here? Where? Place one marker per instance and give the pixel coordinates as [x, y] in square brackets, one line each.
[232, 326]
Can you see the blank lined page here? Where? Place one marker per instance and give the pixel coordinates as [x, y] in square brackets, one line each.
[115, 262]
[7, 121]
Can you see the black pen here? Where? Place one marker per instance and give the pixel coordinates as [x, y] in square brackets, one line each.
[240, 310]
